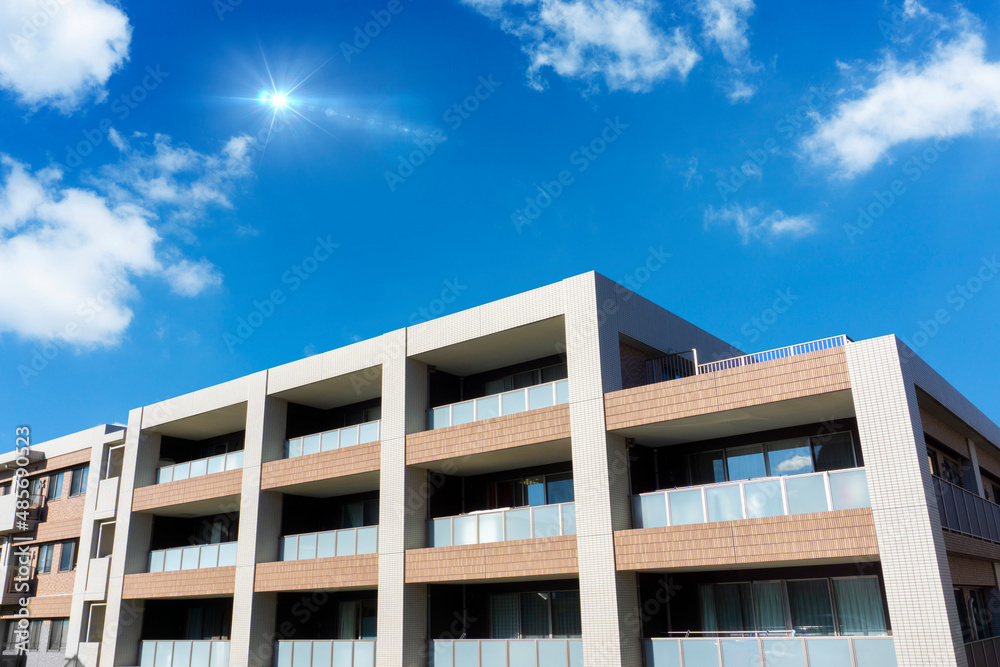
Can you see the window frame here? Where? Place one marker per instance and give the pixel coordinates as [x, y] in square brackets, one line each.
[62, 623]
[73, 554]
[78, 481]
[44, 562]
[54, 488]
[34, 634]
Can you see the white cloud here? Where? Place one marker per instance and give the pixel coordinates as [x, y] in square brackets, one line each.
[61, 52]
[751, 223]
[70, 256]
[617, 40]
[725, 25]
[952, 91]
[795, 463]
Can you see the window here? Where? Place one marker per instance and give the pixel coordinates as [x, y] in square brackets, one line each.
[526, 379]
[116, 461]
[359, 514]
[943, 465]
[67, 558]
[538, 615]
[55, 486]
[57, 634]
[974, 615]
[4, 489]
[358, 619]
[37, 488]
[10, 639]
[78, 484]
[45, 558]
[795, 456]
[531, 491]
[34, 634]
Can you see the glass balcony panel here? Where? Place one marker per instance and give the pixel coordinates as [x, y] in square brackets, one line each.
[322, 654]
[201, 654]
[518, 524]
[763, 499]
[491, 527]
[576, 653]
[546, 521]
[513, 402]
[441, 532]
[441, 417]
[293, 448]
[521, 653]
[364, 654]
[343, 652]
[562, 392]
[171, 560]
[156, 561]
[147, 654]
[740, 653]
[828, 652]
[307, 546]
[289, 547]
[182, 654]
[569, 519]
[553, 652]
[463, 413]
[849, 490]
[310, 444]
[442, 654]
[700, 652]
[164, 654]
[199, 468]
[663, 653]
[348, 436]
[783, 653]
[875, 652]
[216, 464]
[209, 556]
[488, 408]
[467, 654]
[326, 544]
[283, 654]
[329, 441]
[234, 461]
[465, 530]
[302, 654]
[164, 475]
[806, 494]
[346, 542]
[686, 507]
[540, 397]
[182, 471]
[220, 654]
[367, 540]
[227, 554]
[189, 560]
[651, 511]
[493, 653]
[368, 432]
[725, 503]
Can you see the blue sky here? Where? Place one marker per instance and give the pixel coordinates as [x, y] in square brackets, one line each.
[835, 163]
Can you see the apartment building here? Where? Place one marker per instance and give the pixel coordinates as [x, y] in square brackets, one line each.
[569, 477]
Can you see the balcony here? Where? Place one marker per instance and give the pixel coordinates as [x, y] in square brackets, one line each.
[768, 652]
[213, 653]
[335, 439]
[200, 467]
[330, 543]
[13, 519]
[499, 405]
[504, 525]
[753, 499]
[326, 653]
[983, 653]
[193, 558]
[507, 653]
[966, 513]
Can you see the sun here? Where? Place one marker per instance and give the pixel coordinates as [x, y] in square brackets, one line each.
[278, 100]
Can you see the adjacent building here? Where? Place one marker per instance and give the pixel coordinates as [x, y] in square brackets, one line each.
[569, 477]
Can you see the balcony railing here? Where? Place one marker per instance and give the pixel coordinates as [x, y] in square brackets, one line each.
[498, 405]
[192, 558]
[212, 653]
[200, 467]
[685, 364]
[507, 653]
[753, 499]
[326, 653]
[965, 512]
[783, 652]
[335, 439]
[345, 542]
[504, 525]
[983, 653]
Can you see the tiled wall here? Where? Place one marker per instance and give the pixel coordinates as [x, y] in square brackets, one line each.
[543, 557]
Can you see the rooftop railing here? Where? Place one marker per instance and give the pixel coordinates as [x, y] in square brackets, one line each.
[784, 652]
[507, 653]
[214, 653]
[336, 439]
[200, 467]
[330, 543]
[504, 525]
[498, 405]
[326, 653]
[753, 499]
[193, 557]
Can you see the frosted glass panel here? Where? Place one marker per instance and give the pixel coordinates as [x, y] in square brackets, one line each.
[440, 417]
[522, 653]
[875, 652]
[740, 653]
[575, 653]
[562, 393]
[518, 525]
[342, 652]
[182, 471]
[513, 402]
[329, 441]
[490, 527]
[227, 554]
[442, 654]
[724, 503]
[310, 444]
[488, 408]
[148, 654]
[494, 654]
[220, 654]
[289, 548]
[348, 437]
[201, 654]
[553, 653]
[569, 519]
[367, 540]
[763, 499]
[364, 654]
[783, 653]
[540, 397]
[466, 654]
[216, 464]
[322, 654]
[849, 490]
[703, 653]
[368, 432]
[199, 468]
[302, 657]
[307, 546]
[172, 560]
[546, 521]
[806, 494]
[164, 475]
[164, 653]
[326, 545]
[284, 655]
[828, 652]
[345, 543]
[686, 507]
[651, 511]
[441, 533]
[465, 530]
[156, 561]
[663, 653]
[234, 461]
[462, 413]
[209, 556]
